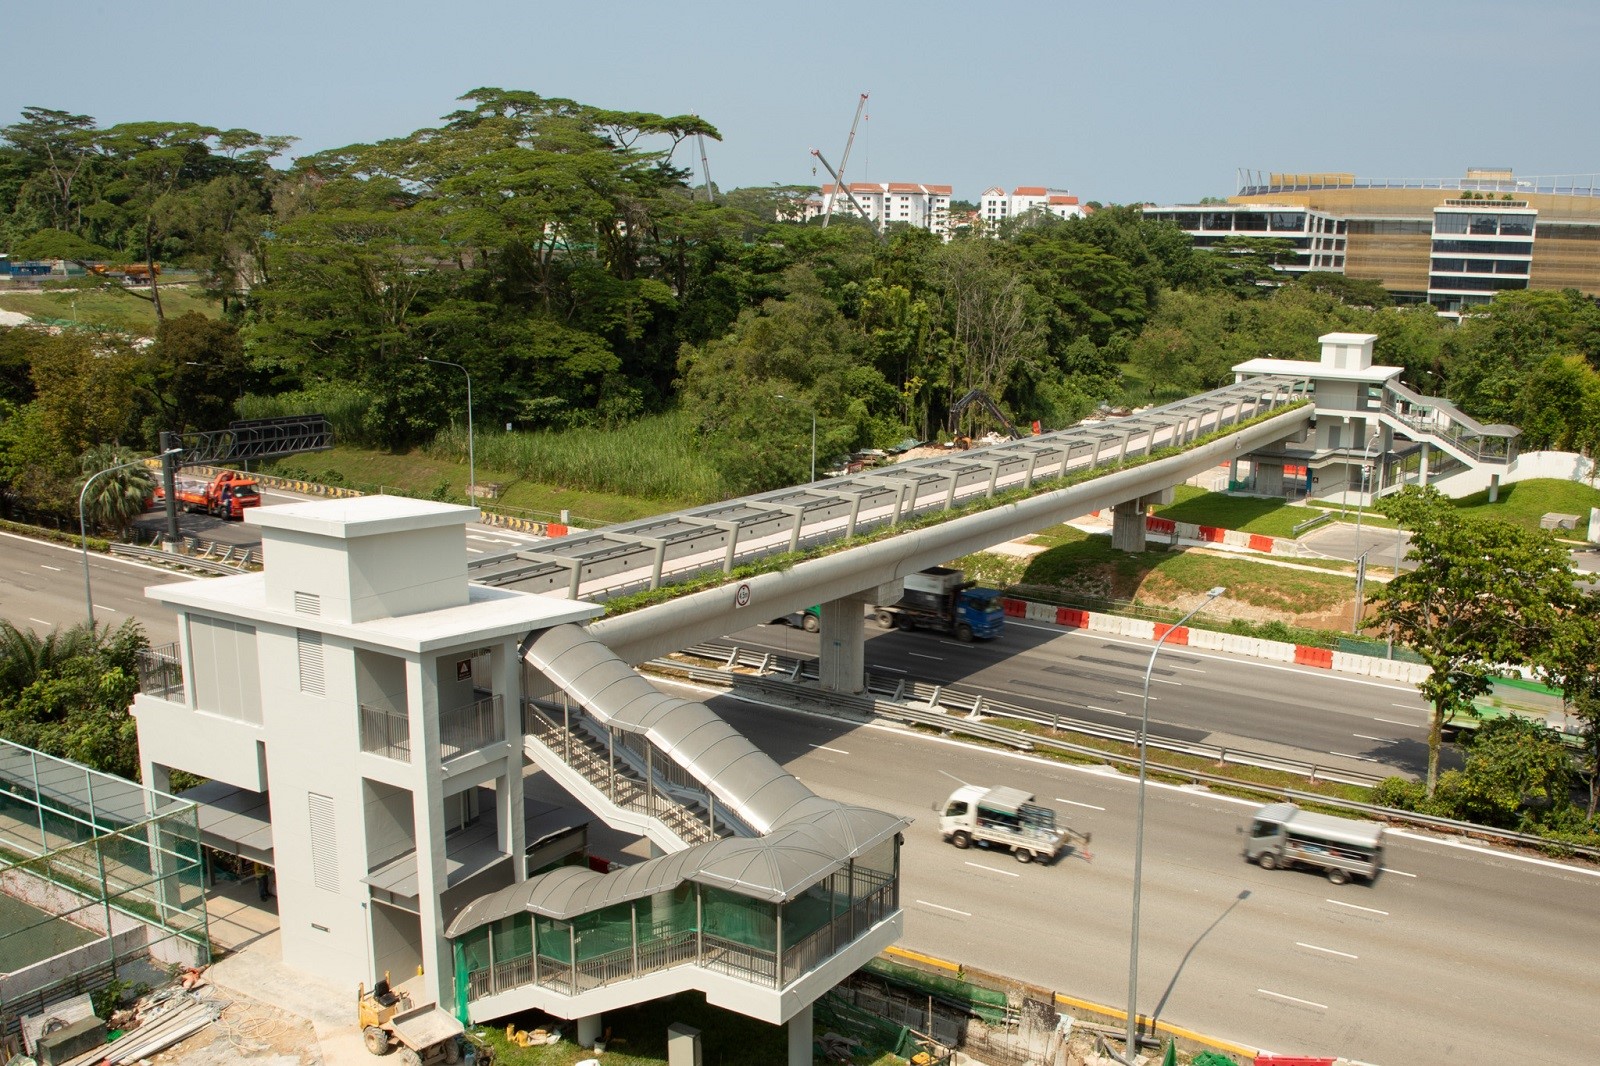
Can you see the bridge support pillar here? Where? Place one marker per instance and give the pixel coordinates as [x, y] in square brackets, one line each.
[1127, 520]
[1422, 466]
[841, 662]
[1269, 478]
[799, 1033]
[1494, 488]
[589, 1030]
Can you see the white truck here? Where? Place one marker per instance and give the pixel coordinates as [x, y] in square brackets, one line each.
[1004, 817]
[1281, 834]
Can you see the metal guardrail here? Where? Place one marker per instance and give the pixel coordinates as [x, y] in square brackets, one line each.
[736, 657]
[1311, 523]
[166, 558]
[892, 700]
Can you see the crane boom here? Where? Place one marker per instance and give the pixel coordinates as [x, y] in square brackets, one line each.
[705, 167]
[854, 202]
[844, 160]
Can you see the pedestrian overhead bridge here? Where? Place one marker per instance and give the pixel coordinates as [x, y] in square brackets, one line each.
[629, 557]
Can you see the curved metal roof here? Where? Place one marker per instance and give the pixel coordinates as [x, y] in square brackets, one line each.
[774, 868]
[762, 793]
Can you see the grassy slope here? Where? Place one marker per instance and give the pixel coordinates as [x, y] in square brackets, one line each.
[1526, 502]
[415, 474]
[115, 309]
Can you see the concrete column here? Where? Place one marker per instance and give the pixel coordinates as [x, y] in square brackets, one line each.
[507, 683]
[1422, 470]
[1233, 471]
[841, 667]
[1127, 526]
[589, 1030]
[1269, 478]
[1494, 488]
[427, 804]
[799, 1032]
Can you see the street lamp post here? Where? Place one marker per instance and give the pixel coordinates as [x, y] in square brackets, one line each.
[1361, 499]
[83, 524]
[472, 467]
[1131, 1050]
[781, 396]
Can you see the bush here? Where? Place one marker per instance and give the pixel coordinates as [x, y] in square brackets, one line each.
[1400, 794]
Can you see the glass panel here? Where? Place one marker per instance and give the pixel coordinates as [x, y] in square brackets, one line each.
[603, 931]
[1517, 225]
[1449, 223]
[1483, 225]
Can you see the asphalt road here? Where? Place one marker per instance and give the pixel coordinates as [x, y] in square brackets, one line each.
[1196, 696]
[1454, 954]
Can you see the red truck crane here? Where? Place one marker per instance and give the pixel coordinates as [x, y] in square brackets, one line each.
[224, 496]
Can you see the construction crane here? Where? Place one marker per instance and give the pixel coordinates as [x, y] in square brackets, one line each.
[705, 168]
[856, 203]
[844, 161]
[981, 399]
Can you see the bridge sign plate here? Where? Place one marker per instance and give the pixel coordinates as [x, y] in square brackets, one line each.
[741, 596]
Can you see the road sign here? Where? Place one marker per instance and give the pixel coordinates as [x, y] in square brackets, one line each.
[741, 596]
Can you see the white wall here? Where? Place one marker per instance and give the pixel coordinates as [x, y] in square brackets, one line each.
[1562, 466]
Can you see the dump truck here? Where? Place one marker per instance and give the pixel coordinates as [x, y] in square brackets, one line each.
[1283, 835]
[425, 1035]
[1005, 818]
[942, 600]
[224, 496]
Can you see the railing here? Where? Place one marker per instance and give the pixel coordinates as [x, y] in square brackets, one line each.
[1441, 419]
[756, 965]
[824, 943]
[386, 732]
[612, 776]
[161, 672]
[465, 729]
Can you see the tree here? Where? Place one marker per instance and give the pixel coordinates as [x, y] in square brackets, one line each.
[67, 693]
[1570, 663]
[1481, 596]
[114, 500]
[1516, 770]
[60, 145]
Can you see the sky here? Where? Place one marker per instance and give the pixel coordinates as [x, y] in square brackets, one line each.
[1122, 102]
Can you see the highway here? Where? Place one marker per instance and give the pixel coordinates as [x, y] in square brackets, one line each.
[1454, 954]
[1196, 696]
[1279, 960]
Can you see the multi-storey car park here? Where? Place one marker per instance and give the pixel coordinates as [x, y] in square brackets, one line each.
[1451, 243]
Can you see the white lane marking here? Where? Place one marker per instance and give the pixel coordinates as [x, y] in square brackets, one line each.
[1330, 951]
[1397, 873]
[47, 566]
[1363, 736]
[1347, 755]
[103, 607]
[1508, 855]
[991, 869]
[490, 540]
[1404, 706]
[41, 621]
[1187, 669]
[824, 747]
[891, 669]
[474, 551]
[1391, 721]
[1161, 681]
[1104, 710]
[938, 907]
[1075, 803]
[1357, 907]
[919, 655]
[1292, 999]
[1137, 695]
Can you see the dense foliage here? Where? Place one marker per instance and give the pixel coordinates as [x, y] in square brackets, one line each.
[67, 693]
[560, 254]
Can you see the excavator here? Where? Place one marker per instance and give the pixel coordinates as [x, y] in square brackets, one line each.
[986, 403]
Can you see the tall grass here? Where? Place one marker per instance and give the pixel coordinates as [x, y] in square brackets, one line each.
[344, 405]
[654, 458]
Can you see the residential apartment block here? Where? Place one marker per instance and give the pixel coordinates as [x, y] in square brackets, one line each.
[921, 206]
[996, 205]
[1451, 243]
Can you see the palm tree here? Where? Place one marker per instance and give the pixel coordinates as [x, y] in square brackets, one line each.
[25, 656]
[116, 499]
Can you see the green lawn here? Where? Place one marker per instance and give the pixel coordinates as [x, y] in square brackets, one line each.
[415, 474]
[1252, 514]
[122, 310]
[1525, 502]
[1087, 564]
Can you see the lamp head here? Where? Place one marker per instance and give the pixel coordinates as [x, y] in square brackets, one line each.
[1214, 593]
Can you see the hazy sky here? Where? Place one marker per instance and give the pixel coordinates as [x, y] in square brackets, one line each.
[1115, 101]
